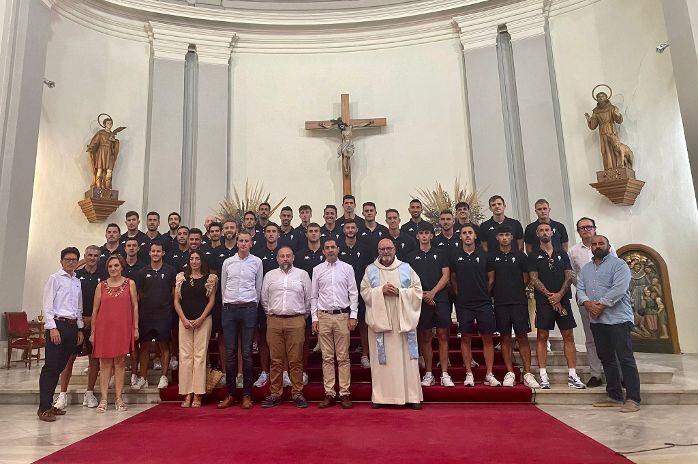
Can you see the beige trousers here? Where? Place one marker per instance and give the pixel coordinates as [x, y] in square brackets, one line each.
[334, 341]
[193, 348]
[286, 337]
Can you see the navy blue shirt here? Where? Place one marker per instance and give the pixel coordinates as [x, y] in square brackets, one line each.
[404, 245]
[559, 234]
[155, 290]
[335, 234]
[370, 238]
[551, 272]
[509, 269]
[307, 259]
[357, 257]
[88, 284]
[292, 238]
[411, 228]
[447, 245]
[360, 223]
[471, 278]
[488, 231]
[429, 267]
[267, 256]
[143, 242]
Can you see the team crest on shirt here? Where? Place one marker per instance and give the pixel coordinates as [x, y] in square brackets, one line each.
[497, 258]
[513, 260]
[358, 254]
[435, 257]
[343, 253]
[417, 257]
[148, 275]
[402, 245]
[477, 258]
[306, 257]
[554, 230]
[460, 258]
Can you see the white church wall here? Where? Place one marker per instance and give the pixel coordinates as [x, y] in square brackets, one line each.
[94, 73]
[613, 42]
[419, 89]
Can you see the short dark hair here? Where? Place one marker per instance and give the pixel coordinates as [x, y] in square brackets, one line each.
[540, 201]
[153, 213]
[132, 239]
[349, 221]
[215, 224]
[184, 227]
[195, 231]
[264, 203]
[495, 197]
[174, 213]
[69, 250]
[584, 218]
[247, 213]
[392, 210]
[132, 213]
[334, 240]
[330, 207]
[152, 244]
[113, 224]
[543, 224]
[446, 211]
[204, 265]
[368, 203]
[304, 208]
[314, 224]
[271, 224]
[462, 204]
[287, 208]
[245, 232]
[468, 224]
[425, 226]
[504, 229]
[348, 197]
[415, 200]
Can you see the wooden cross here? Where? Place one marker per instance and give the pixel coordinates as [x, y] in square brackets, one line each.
[345, 125]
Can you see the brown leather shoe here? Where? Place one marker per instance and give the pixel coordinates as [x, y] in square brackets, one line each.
[46, 416]
[345, 402]
[57, 412]
[327, 402]
[246, 402]
[226, 403]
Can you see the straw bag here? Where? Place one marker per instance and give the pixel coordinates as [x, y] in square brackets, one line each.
[213, 376]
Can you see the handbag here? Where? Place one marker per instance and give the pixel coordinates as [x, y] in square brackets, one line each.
[213, 376]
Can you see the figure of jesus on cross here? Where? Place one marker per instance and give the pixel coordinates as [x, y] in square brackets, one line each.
[346, 126]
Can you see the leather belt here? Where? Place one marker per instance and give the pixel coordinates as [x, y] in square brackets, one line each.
[66, 320]
[286, 315]
[336, 311]
[239, 305]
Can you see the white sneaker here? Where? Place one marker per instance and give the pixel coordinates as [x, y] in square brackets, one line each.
[174, 364]
[446, 380]
[573, 381]
[428, 380]
[530, 380]
[544, 382]
[474, 364]
[305, 378]
[365, 362]
[90, 400]
[61, 402]
[262, 380]
[134, 379]
[141, 383]
[317, 348]
[286, 382]
[163, 382]
[469, 380]
[492, 381]
[157, 365]
[422, 364]
[509, 379]
[238, 381]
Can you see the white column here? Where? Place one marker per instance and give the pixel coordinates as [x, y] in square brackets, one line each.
[22, 64]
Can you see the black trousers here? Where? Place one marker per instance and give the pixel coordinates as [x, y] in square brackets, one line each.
[56, 359]
[614, 346]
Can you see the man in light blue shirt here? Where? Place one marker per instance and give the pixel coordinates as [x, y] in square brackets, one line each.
[603, 289]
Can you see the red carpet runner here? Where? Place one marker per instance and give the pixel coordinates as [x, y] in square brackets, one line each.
[442, 433]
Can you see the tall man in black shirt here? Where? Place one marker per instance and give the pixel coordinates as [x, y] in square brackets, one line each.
[404, 244]
[488, 229]
[132, 222]
[227, 249]
[133, 264]
[472, 285]
[411, 227]
[215, 232]
[288, 236]
[463, 218]
[373, 232]
[173, 222]
[178, 257]
[447, 241]
[152, 222]
[305, 213]
[349, 206]
[551, 276]
[155, 283]
[263, 213]
[330, 230]
[560, 239]
[432, 267]
[112, 234]
[249, 224]
[511, 303]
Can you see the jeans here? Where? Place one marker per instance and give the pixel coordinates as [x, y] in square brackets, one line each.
[240, 320]
[56, 359]
[614, 346]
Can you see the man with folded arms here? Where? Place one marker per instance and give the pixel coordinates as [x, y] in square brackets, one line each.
[286, 301]
[334, 305]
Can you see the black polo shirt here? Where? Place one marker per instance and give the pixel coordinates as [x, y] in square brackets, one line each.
[471, 278]
[551, 271]
[336, 234]
[155, 290]
[488, 231]
[88, 284]
[447, 245]
[404, 245]
[159, 238]
[178, 259]
[410, 227]
[370, 238]
[456, 231]
[143, 243]
[205, 241]
[221, 254]
[132, 271]
[302, 237]
[429, 265]
[267, 256]
[104, 253]
[307, 259]
[360, 223]
[291, 239]
[357, 257]
[559, 234]
[509, 269]
[210, 256]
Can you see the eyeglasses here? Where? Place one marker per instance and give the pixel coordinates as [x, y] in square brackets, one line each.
[586, 228]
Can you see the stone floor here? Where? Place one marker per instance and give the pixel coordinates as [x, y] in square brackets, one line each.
[23, 438]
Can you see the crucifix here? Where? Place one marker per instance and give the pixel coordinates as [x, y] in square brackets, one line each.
[345, 125]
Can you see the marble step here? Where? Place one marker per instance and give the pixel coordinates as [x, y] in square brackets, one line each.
[75, 394]
[649, 374]
[650, 394]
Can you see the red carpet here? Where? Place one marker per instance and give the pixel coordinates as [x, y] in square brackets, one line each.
[439, 433]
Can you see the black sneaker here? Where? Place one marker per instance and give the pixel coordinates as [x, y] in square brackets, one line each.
[415, 406]
[300, 402]
[271, 401]
[594, 382]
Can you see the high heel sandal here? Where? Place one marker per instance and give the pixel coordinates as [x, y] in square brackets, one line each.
[102, 406]
[197, 401]
[120, 405]
[187, 401]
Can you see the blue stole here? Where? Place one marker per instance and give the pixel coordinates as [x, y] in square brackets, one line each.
[373, 274]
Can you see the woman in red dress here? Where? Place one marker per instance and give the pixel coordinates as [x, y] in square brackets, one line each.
[114, 328]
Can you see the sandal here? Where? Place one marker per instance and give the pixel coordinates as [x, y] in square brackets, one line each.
[187, 401]
[120, 405]
[102, 407]
[197, 401]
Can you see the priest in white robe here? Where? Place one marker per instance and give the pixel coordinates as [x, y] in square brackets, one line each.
[393, 296]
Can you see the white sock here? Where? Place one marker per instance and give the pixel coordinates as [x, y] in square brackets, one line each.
[572, 372]
[543, 372]
[62, 394]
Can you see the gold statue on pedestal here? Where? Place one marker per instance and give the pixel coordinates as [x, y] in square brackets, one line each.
[103, 150]
[617, 181]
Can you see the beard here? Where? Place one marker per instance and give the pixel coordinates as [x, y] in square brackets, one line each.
[285, 266]
[387, 260]
[600, 253]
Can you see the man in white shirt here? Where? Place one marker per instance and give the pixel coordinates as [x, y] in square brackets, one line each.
[286, 301]
[63, 313]
[580, 254]
[333, 307]
[241, 286]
